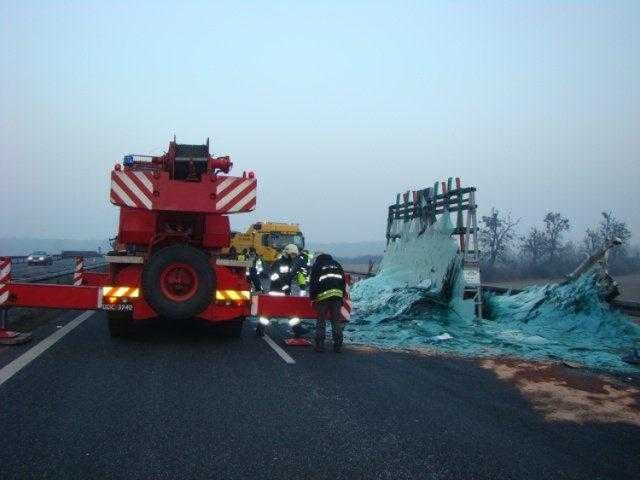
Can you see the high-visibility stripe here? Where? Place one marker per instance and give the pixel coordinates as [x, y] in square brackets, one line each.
[131, 292]
[133, 188]
[121, 292]
[243, 203]
[230, 196]
[121, 195]
[234, 295]
[224, 184]
[78, 273]
[5, 271]
[144, 180]
[329, 275]
[5, 278]
[346, 308]
[334, 292]
[243, 197]
[119, 179]
[235, 194]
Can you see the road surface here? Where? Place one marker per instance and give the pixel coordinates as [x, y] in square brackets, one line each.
[187, 403]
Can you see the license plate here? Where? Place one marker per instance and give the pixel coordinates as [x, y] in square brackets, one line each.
[118, 307]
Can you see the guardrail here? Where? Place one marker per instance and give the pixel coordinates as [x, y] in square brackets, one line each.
[56, 275]
[23, 258]
[357, 276]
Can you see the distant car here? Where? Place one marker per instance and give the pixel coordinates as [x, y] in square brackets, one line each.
[40, 258]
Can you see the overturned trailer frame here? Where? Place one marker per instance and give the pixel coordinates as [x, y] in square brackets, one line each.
[425, 206]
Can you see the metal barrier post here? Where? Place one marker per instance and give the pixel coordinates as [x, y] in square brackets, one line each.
[5, 278]
[8, 337]
[79, 272]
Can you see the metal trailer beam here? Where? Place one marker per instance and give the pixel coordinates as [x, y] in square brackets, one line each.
[67, 297]
[269, 306]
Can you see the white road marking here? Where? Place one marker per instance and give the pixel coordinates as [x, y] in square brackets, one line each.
[30, 355]
[284, 355]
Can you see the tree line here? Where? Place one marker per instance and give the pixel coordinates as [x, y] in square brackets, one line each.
[543, 252]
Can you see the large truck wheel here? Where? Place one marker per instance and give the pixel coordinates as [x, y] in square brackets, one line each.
[178, 282]
[119, 324]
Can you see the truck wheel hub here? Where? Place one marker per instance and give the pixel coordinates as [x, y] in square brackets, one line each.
[179, 282]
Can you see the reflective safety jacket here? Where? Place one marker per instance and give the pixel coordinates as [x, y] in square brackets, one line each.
[302, 267]
[327, 279]
[282, 273]
[256, 264]
[307, 259]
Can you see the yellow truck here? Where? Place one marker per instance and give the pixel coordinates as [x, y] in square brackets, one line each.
[268, 238]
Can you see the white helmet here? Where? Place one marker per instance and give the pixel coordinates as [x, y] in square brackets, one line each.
[290, 249]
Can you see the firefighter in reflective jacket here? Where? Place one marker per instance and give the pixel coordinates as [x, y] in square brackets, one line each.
[326, 289]
[255, 270]
[302, 269]
[282, 271]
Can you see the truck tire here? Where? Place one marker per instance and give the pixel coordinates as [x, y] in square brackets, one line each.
[178, 282]
[119, 324]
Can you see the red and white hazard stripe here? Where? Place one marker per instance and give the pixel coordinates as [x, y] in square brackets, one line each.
[345, 311]
[79, 272]
[235, 194]
[5, 278]
[132, 189]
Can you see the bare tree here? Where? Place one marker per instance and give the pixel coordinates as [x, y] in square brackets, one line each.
[534, 247]
[496, 235]
[609, 227]
[555, 224]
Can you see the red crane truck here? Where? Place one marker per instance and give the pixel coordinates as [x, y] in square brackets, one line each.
[173, 224]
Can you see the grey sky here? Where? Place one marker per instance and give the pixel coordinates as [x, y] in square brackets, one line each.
[335, 105]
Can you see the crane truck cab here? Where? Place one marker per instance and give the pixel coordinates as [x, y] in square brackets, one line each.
[268, 239]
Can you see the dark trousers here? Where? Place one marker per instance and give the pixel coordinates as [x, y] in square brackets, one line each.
[329, 310]
[255, 279]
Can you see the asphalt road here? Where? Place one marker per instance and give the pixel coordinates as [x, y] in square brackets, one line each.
[187, 403]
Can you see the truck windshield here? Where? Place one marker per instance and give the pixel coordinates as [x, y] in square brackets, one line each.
[281, 240]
